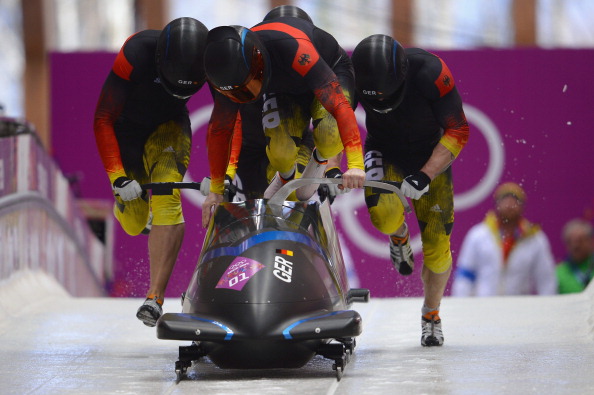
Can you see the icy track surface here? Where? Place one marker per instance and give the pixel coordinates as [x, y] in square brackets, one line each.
[56, 344]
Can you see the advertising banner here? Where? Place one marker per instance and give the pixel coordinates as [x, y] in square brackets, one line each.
[530, 119]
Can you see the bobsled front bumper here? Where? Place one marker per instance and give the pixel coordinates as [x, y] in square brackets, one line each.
[332, 325]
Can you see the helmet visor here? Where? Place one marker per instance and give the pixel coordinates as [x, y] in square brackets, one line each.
[251, 89]
[389, 103]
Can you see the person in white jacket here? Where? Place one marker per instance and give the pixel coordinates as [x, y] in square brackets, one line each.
[505, 254]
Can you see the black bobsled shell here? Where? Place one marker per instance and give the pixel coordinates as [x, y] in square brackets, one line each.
[270, 287]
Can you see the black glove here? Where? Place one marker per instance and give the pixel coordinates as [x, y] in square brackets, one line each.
[333, 189]
[127, 189]
[415, 185]
[230, 188]
[324, 194]
[330, 191]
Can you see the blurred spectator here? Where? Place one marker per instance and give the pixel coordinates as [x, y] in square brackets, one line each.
[505, 254]
[576, 271]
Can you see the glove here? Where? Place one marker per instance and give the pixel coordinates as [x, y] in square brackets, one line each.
[205, 186]
[415, 185]
[324, 194]
[230, 189]
[127, 189]
[333, 189]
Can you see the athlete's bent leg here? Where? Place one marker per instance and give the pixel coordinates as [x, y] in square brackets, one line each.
[132, 215]
[284, 120]
[166, 160]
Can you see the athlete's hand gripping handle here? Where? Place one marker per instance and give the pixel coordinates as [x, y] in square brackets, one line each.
[415, 185]
[127, 189]
[205, 186]
[335, 189]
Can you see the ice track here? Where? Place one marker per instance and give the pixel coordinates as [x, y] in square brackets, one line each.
[53, 343]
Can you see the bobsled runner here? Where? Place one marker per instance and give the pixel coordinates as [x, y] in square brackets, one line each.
[270, 288]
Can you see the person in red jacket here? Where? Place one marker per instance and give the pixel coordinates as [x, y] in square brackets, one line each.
[416, 127]
[287, 61]
[143, 134]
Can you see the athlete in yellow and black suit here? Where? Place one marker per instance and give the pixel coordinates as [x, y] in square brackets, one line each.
[288, 62]
[143, 134]
[249, 168]
[416, 127]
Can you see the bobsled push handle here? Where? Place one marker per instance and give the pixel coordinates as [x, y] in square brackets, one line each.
[281, 195]
[358, 295]
[166, 188]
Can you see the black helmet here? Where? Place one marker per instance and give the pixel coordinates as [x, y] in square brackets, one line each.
[380, 72]
[287, 10]
[236, 63]
[180, 57]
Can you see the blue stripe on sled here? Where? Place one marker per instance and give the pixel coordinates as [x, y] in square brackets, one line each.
[261, 238]
[229, 334]
[287, 330]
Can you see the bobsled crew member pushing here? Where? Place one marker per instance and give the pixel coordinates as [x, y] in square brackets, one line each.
[297, 85]
[416, 127]
[143, 134]
[292, 74]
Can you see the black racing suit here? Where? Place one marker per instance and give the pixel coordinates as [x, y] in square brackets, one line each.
[401, 141]
[142, 132]
[302, 58]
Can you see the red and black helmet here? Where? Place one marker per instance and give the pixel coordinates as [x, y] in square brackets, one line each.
[287, 10]
[380, 66]
[236, 63]
[180, 57]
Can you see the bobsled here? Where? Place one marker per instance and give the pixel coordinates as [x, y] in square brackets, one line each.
[270, 289]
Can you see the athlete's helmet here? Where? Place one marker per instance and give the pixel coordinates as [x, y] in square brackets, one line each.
[180, 57]
[236, 63]
[287, 10]
[380, 72]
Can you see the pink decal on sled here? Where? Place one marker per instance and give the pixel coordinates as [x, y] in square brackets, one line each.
[238, 273]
